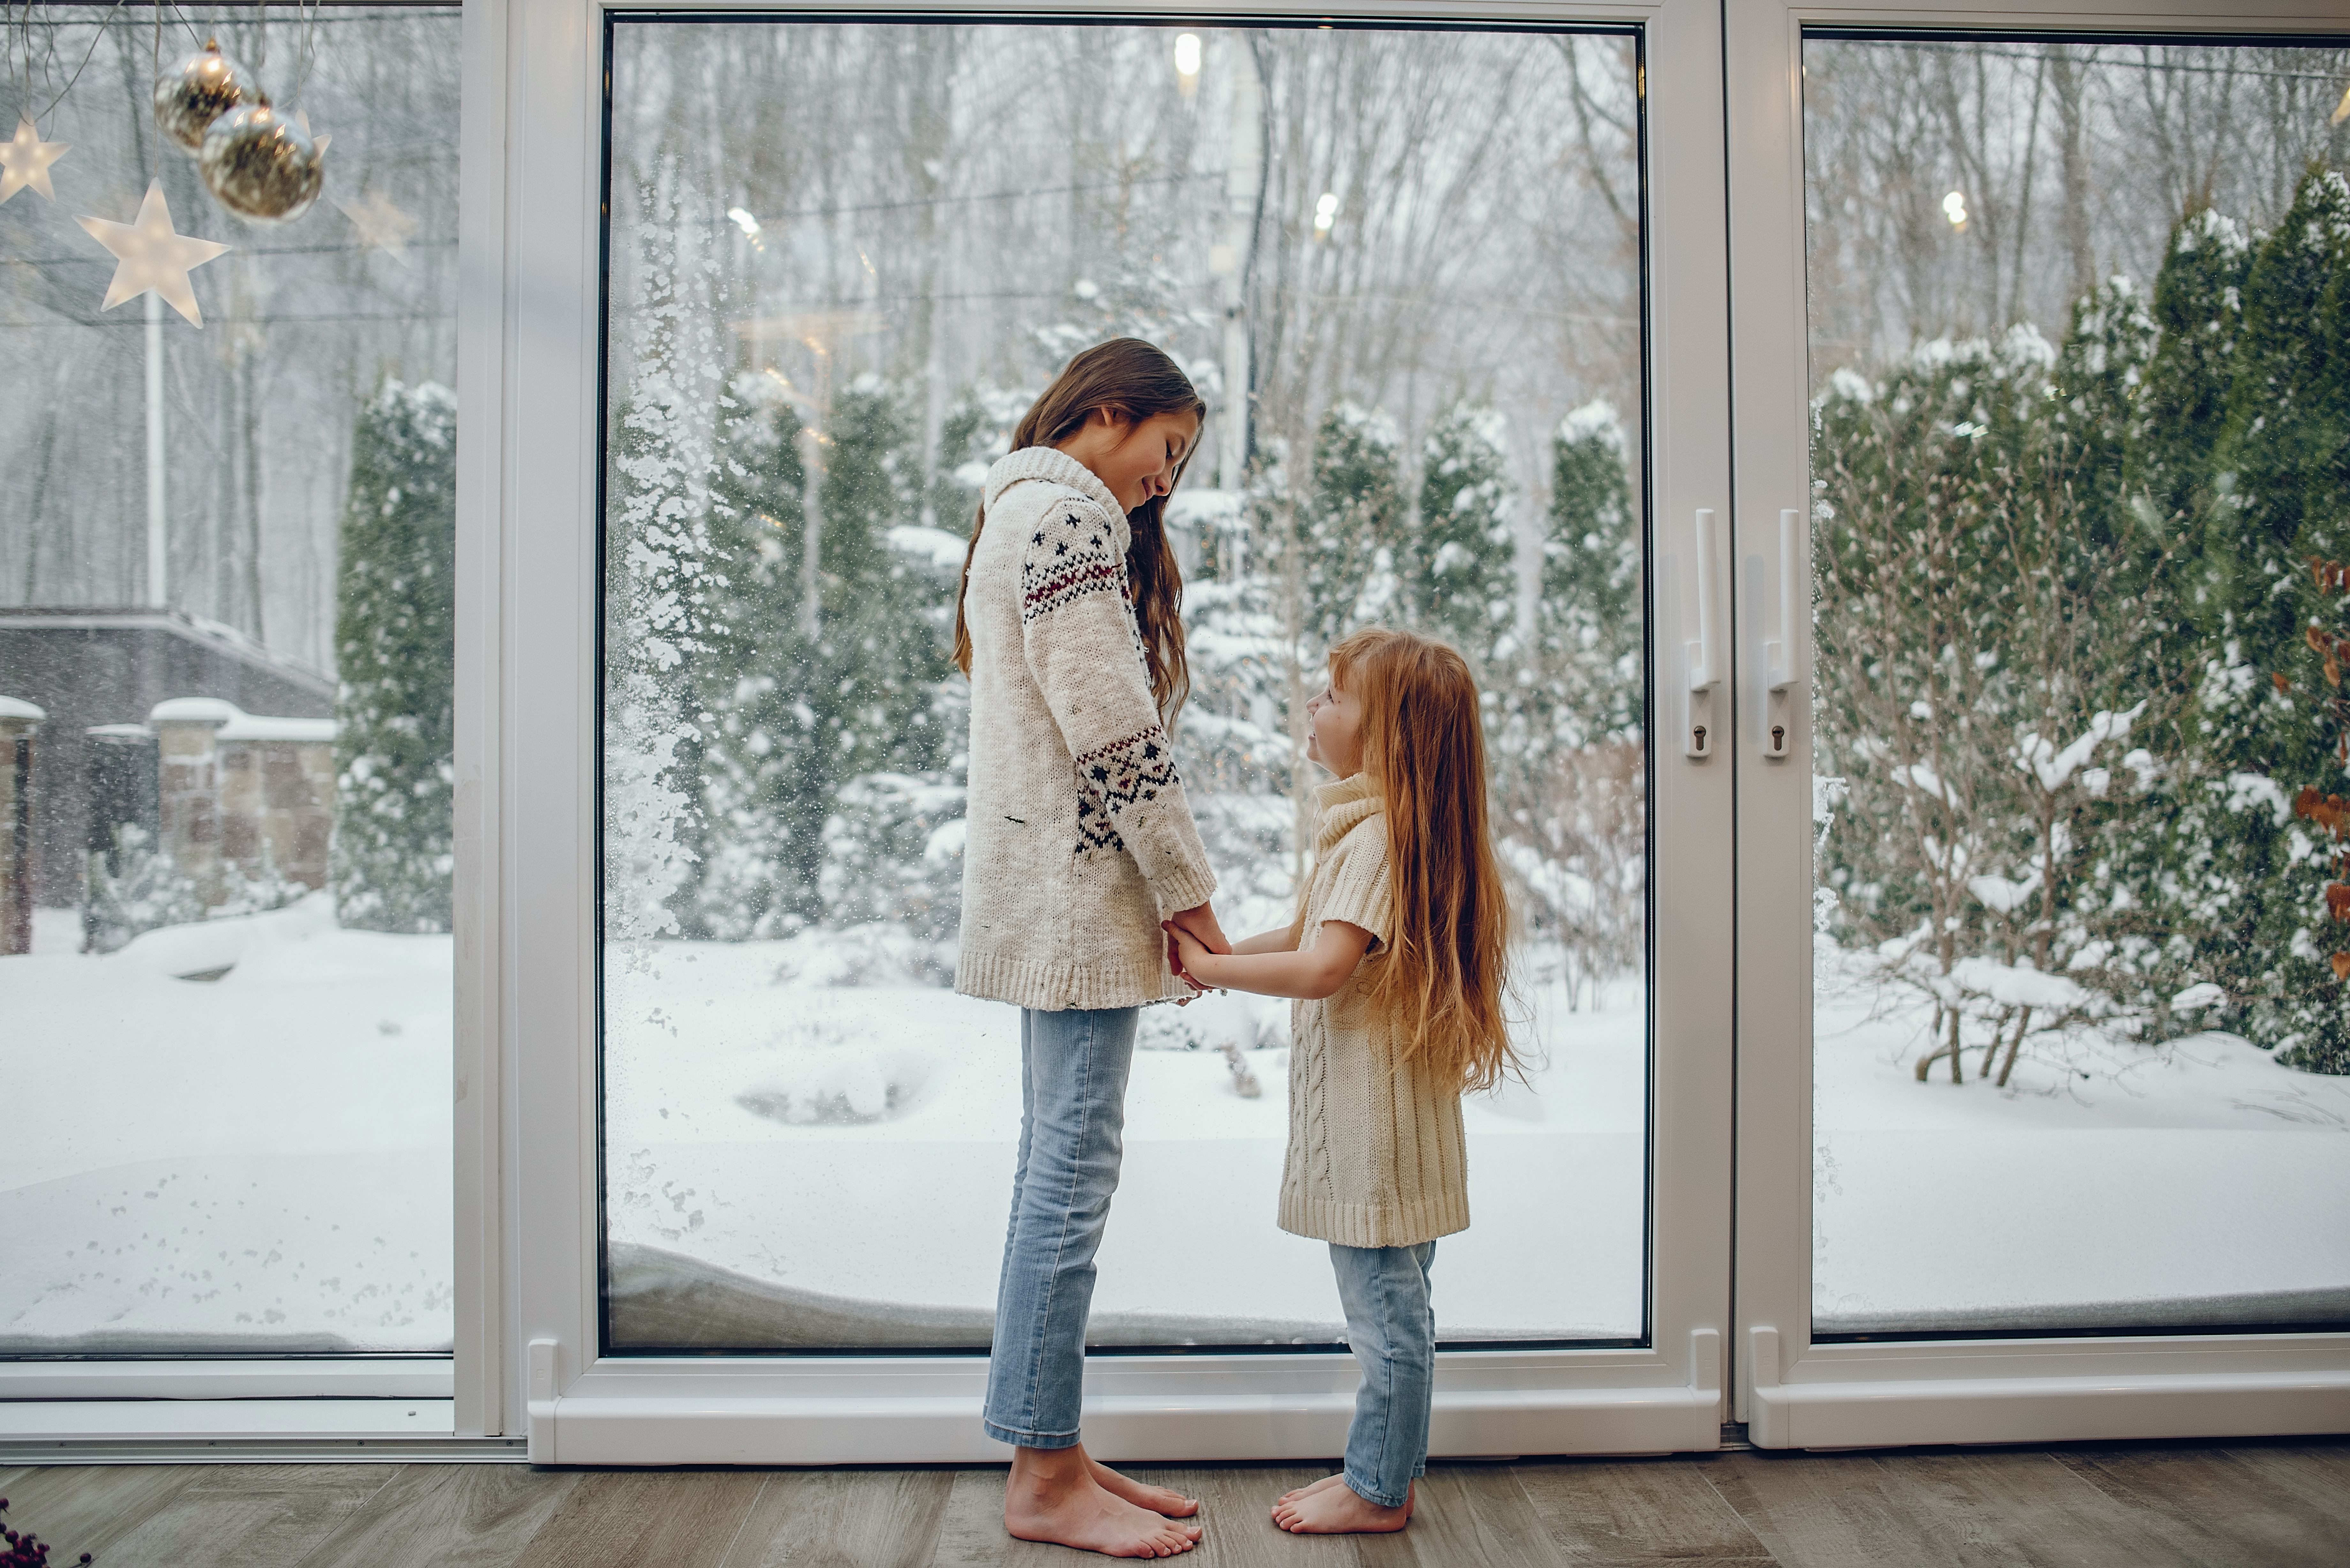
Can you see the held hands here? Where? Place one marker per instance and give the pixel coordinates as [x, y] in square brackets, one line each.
[1197, 925]
[1184, 952]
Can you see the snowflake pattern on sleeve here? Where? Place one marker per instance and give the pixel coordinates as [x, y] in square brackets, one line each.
[1113, 779]
[1067, 559]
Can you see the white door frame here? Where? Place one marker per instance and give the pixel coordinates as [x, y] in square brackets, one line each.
[1791, 1392]
[527, 1238]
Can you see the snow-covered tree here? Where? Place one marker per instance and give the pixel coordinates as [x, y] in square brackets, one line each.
[1351, 526]
[1462, 573]
[395, 643]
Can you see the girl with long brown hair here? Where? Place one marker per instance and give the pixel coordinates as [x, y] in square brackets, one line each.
[1395, 962]
[1078, 845]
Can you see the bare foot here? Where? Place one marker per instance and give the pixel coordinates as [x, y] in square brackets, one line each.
[1052, 1495]
[1409, 1502]
[1326, 1510]
[1157, 1499]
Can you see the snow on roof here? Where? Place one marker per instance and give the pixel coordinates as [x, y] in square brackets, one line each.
[235, 724]
[17, 708]
[132, 731]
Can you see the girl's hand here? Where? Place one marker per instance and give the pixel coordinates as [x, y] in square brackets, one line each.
[1189, 952]
[1201, 922]
[1175, 965]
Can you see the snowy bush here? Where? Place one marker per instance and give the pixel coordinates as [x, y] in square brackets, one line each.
[395, 646]
[2083, 664]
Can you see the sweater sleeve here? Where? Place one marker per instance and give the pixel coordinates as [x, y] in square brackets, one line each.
[1083, 648]
[1361, 890]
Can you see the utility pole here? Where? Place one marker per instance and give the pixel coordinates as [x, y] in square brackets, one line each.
[156, 584]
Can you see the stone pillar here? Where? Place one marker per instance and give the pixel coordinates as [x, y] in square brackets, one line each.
[188, 785]
[18, 720]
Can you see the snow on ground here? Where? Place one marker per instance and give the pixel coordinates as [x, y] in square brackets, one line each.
[265, 1157]
[2104, 1172]
[740, 1085]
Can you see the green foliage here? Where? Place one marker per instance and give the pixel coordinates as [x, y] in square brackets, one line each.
[395, 647]
[1462, 577]
[1350, 525]
[2030, 557]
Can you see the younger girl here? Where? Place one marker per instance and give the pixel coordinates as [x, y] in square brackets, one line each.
[1395, 960]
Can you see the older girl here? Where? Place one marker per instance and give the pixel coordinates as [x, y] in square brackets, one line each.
[1079, 843]
[1395, 960]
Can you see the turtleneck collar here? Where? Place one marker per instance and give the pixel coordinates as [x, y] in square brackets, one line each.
[1053, 464]
[1341, 807]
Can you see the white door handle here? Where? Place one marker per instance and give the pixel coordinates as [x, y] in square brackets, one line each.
[1779, 657]
[1701, 659]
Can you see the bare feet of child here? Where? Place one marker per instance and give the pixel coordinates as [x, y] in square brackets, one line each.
[1056, 1495]
[1157, 1499]
[1331, 1507]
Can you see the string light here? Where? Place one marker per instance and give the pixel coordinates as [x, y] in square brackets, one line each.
[1326, 213]
[1187, 63]
[1954, 207]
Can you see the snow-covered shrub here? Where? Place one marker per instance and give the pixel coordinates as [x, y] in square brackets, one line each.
[141, 890]
[395, 648]
[1461, 575]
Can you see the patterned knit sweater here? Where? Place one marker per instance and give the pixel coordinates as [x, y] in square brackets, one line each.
[1079, 840]
[1376, 1152]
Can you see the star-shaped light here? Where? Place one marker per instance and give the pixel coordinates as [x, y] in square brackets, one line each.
[150, 256]
[382, 226]
[25, 160]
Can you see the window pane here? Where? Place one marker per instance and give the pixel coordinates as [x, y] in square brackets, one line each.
[844, 259]
[2082, 1033]
[224, 692]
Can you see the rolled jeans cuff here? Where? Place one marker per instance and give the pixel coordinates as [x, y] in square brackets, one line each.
[1029, 1439]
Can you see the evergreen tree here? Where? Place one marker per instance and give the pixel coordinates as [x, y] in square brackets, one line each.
[1462, 572]
[2280, 514]
[1588, 619]
[1350, 525]
[395, 643]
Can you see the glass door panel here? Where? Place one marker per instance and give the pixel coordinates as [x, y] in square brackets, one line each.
[1405, 269]
[2080, 1030]
[228, 540]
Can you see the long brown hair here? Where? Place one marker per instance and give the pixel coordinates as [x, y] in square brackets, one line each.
[1134, 380]
[1441, 983]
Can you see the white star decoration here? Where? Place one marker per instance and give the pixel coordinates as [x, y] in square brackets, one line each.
[151, 256]
[25, 160]
[382, 226]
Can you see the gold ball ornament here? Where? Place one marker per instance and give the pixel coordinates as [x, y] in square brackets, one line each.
[197, 91]
[262, 165]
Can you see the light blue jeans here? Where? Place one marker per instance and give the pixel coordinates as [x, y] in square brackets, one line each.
[1391, 1329]
[1073, 1072]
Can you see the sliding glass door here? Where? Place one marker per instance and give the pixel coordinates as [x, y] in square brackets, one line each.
[2048, 618]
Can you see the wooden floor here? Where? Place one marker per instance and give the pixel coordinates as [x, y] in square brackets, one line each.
[2131, 1506]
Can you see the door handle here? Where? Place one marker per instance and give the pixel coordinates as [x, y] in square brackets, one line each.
[1783, 673]
[1701, 659]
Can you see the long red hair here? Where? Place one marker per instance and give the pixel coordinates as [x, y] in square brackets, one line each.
[1440, 985]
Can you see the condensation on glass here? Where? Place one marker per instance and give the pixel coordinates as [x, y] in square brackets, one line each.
[843, 260]
[2080, 1030]
[225, 669]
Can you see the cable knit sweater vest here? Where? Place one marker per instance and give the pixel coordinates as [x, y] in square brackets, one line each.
[1376, 1155]
[1079, 840]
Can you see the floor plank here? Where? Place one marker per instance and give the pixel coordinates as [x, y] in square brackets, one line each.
[1631, 1514]
[844, 1519]
[679, 1519]
[447, 1516]
[1236, 1516]
[2317, 1472]
[970, 1529]
[75, 1509]
[1470, 1516]
[2218, 1505]
[1996, 1508]
[244, 1516]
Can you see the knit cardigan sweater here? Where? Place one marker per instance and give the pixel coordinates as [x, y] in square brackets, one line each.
[1078, 839]
[1376, 1155]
